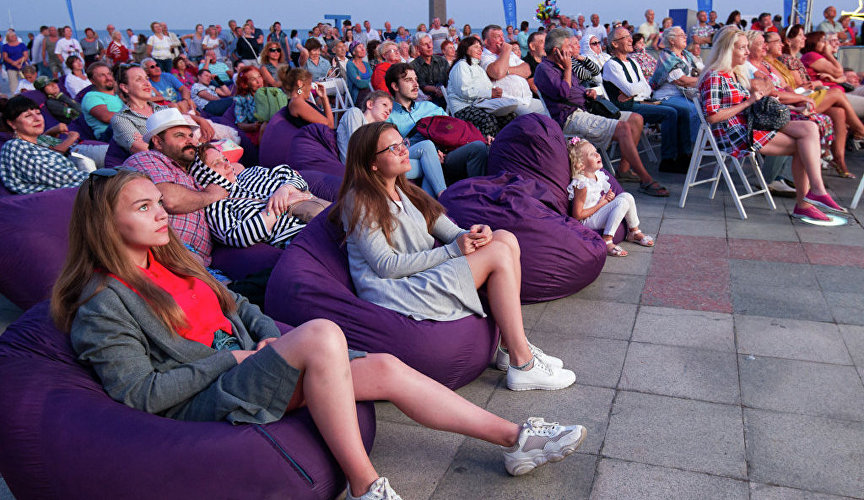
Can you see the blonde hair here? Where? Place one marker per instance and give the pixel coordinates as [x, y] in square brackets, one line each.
[577, 152]
[720, 58]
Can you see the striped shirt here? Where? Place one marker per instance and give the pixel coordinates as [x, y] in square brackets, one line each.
[27, 168]
[126, 123]
[236, 220]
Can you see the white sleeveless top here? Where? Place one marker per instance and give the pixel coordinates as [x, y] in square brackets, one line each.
[595, 188]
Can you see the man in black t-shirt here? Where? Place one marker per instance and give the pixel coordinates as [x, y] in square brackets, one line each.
[535, 55]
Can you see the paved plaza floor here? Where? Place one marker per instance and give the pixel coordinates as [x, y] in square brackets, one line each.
[726, 362]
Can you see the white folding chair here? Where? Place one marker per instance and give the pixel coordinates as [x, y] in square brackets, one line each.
[337, 88]
[706, 145]
[446, 99]
[858, 192]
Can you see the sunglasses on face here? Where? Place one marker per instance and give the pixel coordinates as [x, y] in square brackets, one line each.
[594, 43]
[275, 49]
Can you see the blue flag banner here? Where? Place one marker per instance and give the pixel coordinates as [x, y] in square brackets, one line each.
[705, 5]
[787, 11]
[510, 13]
[72, 19]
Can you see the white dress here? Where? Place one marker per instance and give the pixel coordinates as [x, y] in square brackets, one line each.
[595, 187]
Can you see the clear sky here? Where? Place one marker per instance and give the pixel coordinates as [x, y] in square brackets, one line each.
[29, 14]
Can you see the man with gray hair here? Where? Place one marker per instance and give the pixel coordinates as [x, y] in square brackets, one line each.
[507, 70]
[432, 70]
[649, 28]
[566, 99]
[438, 34]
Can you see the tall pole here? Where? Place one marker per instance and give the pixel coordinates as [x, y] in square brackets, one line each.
[438, 8]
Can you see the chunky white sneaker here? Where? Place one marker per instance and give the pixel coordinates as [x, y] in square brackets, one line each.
[540, 442]
[540, 376]
[379, 490]
[502, 358]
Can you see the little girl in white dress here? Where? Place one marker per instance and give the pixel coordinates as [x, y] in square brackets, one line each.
[595, 204]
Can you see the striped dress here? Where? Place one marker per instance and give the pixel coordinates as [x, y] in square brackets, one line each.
[236, 220]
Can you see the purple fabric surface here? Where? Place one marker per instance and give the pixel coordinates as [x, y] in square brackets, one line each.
[62, 83]
[276, 141]
[314, 148]
[560, 256]
[63, 437]
[80, 96]
[39, 98]
[324, 186]
[115, 155]
[84, 131]
[311, 280]
[237, 263]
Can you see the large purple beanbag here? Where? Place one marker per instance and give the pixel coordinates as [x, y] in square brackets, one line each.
[560, 256]
[276, 141]
[314, 148]
[324, 186]
[311, 280]
[62, 436]
[116, 155]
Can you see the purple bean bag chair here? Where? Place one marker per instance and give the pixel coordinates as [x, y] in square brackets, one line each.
[115, 156]
[311, 280]
[314, 148]
[39, 98]
[276, 142]
[63, 437]
[324, 186]
[80, 96]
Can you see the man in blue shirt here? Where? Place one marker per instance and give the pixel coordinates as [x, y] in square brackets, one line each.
[100, 104]
[167, 86]
[466, 161]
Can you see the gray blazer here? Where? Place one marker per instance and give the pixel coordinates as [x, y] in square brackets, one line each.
[143, 364]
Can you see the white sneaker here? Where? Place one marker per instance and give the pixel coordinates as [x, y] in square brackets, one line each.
[540, 442]
[502, 358]
[540, 376]
[781, 187]
[379, 490]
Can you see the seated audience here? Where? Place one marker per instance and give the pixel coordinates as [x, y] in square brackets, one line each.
[213, 99]
[101, 103]
[645, 60]
[62, 107]
[432, 70]
[167, 89]
[566, 99]
[28, 76]
[76, 79]
[339, 64]
[448, 50]
[358, 72]
[302, 109]
[221, 72]
[271, 58]
[591, 48]
[249, 80]
[316, 65]
[534, 54]
[388, 54]
[184, 72]
[507, 70]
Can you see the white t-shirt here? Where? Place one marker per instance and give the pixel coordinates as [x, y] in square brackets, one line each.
[75, 84]
[647, 29]
[208, 43]
[161, 48]
[599, 32]
[513, 86]
[67, 48]
[438, 36]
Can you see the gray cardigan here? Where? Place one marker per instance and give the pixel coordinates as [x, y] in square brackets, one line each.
[143, 364]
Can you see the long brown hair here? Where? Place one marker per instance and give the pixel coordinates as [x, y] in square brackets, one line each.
[96, 250]
[811, 40]
[367, 187]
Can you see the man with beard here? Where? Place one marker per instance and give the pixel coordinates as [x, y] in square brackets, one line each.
[100, 104]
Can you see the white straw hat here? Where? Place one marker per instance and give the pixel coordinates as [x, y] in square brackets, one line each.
[163, 120]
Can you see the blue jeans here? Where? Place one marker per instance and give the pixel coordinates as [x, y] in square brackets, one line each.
[466, 161]
[687, 118]
[667, 117]
[425, 163]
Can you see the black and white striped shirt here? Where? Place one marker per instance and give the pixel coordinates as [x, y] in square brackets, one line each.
[236, 220]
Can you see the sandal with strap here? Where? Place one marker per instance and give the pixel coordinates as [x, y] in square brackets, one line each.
[841, 171]
[654, 189]
[614, 250]
[640, 238]
[627, 176]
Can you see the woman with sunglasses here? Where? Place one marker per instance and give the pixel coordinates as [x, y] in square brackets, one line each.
[391, 228]
[164, 337]
[271, 58]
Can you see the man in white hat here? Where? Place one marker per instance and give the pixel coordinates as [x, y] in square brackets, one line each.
[172, 151]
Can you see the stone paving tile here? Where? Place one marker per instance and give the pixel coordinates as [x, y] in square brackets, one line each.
[696, 209]
[636, 262]
[531, 313]
[801, 387]
[578, 404]
[427, 468]
[618, 479]
[478, 472]
[647, 209]
[854, 338]
[595, 361]
[686, 293]
[772, 251]
[694, 227]
[672, 432]
[793, 339]
[588, 318]
[753, 275]
[689, 265]
[832, 254]
[679, 244]
[809, 453]
[684, 372]
[847, 308]
[795, 303]
[756, 229]
[614, 287]
[681, 327]
[848, 235]
[768, 492]
[840, 278]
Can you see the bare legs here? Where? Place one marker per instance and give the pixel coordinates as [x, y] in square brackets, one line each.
[837, 99]
[838, 147]
[628, 133]
[800, 139]
[497, 265]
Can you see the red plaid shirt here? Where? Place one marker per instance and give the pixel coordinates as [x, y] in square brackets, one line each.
[192, 227]
[720, 91]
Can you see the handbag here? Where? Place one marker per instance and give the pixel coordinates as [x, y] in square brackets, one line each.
[602, 107]
[847, 87]
[766, 114]
[268, 101]
[448, 133]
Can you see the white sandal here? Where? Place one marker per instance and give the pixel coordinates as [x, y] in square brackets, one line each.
[614, 250]
[645, 240]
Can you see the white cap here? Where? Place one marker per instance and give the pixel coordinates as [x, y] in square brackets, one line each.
[165, 119]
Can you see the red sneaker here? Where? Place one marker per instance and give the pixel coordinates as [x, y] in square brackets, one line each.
[825, 202]
[809, 212]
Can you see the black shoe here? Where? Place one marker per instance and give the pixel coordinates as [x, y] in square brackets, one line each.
[672, 165]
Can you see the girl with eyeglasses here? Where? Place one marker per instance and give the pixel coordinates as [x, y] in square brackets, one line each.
[391, 229]
[166, 338]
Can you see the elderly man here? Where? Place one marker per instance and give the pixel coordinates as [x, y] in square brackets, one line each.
[596, 29]
[627, 87]
[507, 70]
[388, 33]
[829, 25]
[432, 70]
[100, 104]
[649, 28]
[702, 33]
[166, 87]
[438, 34]
[565, 99]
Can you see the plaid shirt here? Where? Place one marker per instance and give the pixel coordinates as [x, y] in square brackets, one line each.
[27, 168]
[192, 227]
[720, 91]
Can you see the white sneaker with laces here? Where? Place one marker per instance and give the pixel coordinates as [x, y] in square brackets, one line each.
[502, 358]
[540, 442]
[781, 187]
[379, 490]
[540, 376]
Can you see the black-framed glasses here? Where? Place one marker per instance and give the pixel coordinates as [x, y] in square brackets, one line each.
[396, 148]
[621, 38]
[103, 173]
